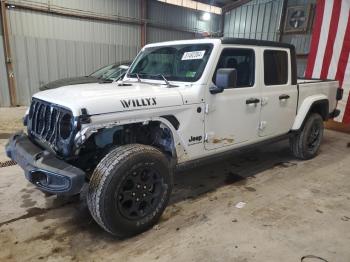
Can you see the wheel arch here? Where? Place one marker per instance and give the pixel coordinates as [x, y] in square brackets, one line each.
[313, 104]
[169, 122]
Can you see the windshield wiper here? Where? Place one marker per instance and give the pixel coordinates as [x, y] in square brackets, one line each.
[152, 75]
[165, 80]
[137, 76]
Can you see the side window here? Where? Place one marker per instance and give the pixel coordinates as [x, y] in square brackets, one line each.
[275, 67]
[243, 60]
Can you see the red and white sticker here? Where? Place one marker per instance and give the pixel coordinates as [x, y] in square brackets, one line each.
[194, 55]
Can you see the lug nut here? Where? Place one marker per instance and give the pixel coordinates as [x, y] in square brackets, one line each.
[144, 195]
[133, 194]
[138, 186]
[137, 199]
[144, 187]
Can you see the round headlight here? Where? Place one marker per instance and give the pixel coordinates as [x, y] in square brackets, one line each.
[66, 126]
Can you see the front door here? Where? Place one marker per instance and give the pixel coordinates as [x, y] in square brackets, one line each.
[279, 96]
[232, 117]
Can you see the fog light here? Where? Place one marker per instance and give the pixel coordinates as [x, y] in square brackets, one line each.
[39, 178]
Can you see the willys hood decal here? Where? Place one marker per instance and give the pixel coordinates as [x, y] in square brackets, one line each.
[106, 98]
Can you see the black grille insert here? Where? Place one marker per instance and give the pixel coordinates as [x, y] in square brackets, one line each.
[44, 122]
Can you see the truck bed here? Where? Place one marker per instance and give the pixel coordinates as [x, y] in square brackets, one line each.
[309, 87]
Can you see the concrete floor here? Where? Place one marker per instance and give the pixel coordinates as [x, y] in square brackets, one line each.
[292, 209]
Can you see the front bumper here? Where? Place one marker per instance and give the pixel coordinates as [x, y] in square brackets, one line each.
[43, 168]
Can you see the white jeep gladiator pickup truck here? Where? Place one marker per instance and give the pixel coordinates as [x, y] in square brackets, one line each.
[180, 102]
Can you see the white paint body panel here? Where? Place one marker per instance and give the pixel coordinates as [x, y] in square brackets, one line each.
[106, 98]
[228, 110]
[311, 91]
[228, 123]
[277, 115]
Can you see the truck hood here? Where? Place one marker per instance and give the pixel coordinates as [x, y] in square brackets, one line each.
[111, 97]
[69, 81]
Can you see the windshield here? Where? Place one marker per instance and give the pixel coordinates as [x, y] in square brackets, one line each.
[102, 70]
[111, 72]
[176, 63]
[114, 73]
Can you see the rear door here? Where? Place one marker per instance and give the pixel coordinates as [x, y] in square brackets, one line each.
[279, 96]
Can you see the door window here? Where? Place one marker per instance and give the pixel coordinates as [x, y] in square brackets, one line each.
[275, 67]
[243, 61]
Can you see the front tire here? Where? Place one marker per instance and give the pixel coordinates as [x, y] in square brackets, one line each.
[306, 144]
[129, 189]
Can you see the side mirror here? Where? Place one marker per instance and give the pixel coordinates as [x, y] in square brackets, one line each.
[225, 78]
[215, 90]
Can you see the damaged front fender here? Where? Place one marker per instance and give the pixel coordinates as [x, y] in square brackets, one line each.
[104, 134]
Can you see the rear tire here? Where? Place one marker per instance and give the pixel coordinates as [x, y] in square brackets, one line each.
[306, 144]
[129, 189]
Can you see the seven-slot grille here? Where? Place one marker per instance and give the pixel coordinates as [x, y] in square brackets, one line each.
[44, 121]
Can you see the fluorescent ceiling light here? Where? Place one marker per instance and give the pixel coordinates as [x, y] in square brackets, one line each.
[206, 17]
[194, 5]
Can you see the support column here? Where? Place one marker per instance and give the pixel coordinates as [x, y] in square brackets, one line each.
[143, 4]
[281, 20]
[8, 56]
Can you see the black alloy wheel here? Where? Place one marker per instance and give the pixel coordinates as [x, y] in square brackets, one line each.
[129, 189]
[140, 192]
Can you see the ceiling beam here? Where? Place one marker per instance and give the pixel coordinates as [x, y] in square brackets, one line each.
[234, 5]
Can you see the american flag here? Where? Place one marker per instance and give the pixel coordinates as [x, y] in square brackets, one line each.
[330, 48]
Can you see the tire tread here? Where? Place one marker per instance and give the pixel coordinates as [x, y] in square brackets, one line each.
[296, 141]
[102, 174]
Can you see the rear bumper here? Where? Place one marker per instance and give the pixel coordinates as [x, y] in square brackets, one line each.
[334, 114]
[340, 92]
[43, 169]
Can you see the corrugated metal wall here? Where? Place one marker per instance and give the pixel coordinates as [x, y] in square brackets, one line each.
[160, 35]
[4, 89]
[182, 18]
[258, 19]
[301, 41]
[127, 8]
[47, 47]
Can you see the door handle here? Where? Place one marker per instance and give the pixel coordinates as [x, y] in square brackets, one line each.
[282, 97]
[252, 101]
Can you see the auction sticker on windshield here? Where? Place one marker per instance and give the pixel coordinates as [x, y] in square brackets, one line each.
[193, 55]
